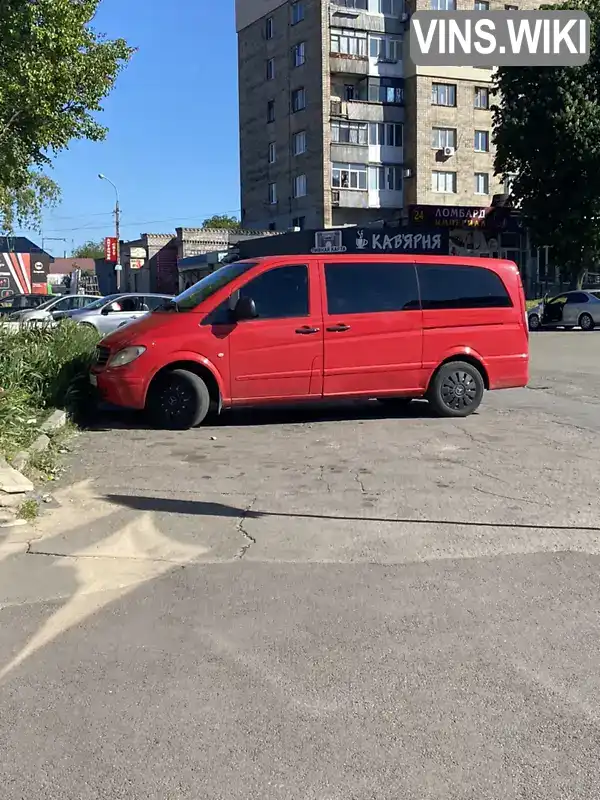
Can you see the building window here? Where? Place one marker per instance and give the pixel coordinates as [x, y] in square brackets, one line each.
[349, 176]
[482, 183]
[269, 28]
[272, 226]
[348, 42]
[349, 132]
[385, 48]
[299, 222]
[359, 5]
[482, 97]
[271, 111]
[299, 143]
[443, 182]
[272, 153]
[270, 69]
[299, 187]
[481, 5]
[385, 134]
[443, 5]
[298, 100]
[272, 193]
[385, 90]
[443, 94]
[383, 178]
[297, 12]
[391, 8]
[443, 137]
[299, 54]
[482, 141]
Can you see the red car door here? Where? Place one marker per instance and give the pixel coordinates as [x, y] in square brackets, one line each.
[373, 327]
[279, 355]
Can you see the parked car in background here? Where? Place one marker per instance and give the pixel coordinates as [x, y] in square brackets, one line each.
[568, 310]
[314, 327]
[20, 302]
[113, 311]
[53, 309]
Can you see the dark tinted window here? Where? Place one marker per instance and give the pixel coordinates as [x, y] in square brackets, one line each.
[461, 287]
[370, 287]
[153, 302]
[279, 293]
[577, 297]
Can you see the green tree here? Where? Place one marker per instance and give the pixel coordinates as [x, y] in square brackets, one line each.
[54, 72]
[547, 135]
[221, 221]
[89, 250]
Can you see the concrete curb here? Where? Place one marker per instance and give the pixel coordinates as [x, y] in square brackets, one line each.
[13, 485]
[56, 421]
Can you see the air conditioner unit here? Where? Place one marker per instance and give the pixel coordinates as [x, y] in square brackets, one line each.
[404, 17]
[449, 151]
[407, 172]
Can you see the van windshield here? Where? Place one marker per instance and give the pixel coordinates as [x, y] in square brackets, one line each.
[202, 290]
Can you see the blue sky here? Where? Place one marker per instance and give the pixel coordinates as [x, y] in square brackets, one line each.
[172, 146]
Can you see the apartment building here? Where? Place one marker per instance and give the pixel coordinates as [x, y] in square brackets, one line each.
[337, 126]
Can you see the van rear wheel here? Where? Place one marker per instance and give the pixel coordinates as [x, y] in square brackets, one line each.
[178, 400]
[456, 389]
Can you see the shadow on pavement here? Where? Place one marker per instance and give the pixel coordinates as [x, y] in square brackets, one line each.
[210, 509]
[350, 410]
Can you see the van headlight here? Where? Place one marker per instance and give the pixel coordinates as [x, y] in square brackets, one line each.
[125, 356]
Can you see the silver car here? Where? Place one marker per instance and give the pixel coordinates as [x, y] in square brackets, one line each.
[569, 310]
[53, 309]
[112, 312]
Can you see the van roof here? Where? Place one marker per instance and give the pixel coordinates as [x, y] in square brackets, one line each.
[463, 261]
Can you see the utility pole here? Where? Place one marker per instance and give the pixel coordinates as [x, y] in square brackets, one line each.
[118, 267]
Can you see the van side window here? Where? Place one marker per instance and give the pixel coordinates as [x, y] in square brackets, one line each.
[280, 293]
[371, 287]
[454, 286]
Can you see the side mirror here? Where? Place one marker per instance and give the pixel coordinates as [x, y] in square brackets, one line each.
[245, 308]
[105, 311]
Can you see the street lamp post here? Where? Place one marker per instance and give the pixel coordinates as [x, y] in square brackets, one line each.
[117, 229]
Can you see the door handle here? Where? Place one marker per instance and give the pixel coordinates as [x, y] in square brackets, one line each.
[306, 329]
[339, 328]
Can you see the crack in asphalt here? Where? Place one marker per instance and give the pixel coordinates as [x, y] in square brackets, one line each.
[358, 480]
[250, 540]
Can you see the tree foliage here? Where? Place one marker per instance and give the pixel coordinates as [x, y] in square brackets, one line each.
[89, 250]
[221, 221]
[547, 135]
[55, 70]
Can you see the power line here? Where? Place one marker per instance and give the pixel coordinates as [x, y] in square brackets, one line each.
[125, 223]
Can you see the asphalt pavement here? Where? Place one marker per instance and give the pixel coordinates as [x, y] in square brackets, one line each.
[331, 602]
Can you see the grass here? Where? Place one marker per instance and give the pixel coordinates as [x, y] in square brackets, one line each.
[28, 510]
[42, 369]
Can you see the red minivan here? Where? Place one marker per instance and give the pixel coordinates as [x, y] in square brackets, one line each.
[314, 327]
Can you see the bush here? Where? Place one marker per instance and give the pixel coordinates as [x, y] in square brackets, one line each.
[40, 369]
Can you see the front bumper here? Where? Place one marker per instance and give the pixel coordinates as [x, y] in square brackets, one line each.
[120, 388]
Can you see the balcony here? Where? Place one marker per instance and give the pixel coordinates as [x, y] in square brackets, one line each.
[342, 64]
[349, 198]
[344, 152]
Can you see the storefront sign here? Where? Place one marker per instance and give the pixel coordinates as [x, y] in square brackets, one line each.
[110, 249]
[40, 267]
[350, 241]
[493, 217]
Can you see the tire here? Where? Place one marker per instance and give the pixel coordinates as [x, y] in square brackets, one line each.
[443, 396]
[178, 400]
[586, 323]
[534, 322]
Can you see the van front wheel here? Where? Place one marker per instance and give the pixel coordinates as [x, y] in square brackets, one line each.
[456, 389]
[178, 400]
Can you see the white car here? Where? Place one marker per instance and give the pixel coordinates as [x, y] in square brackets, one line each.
[53, 309]
[576, 309]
